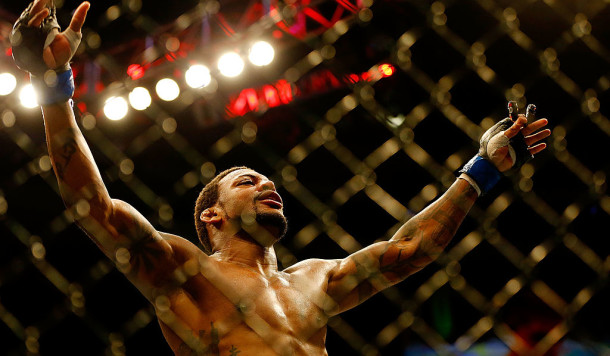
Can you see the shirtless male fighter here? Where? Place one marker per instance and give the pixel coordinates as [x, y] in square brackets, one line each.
[232, 298]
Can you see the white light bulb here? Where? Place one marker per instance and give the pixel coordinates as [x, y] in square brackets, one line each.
[198, 76]
[115, 108]
[167, 89]
[261, 53]
[230, 64]
[139, 98]
[8, 83]
[27, 96]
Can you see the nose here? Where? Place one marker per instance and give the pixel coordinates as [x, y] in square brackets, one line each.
[268, 185]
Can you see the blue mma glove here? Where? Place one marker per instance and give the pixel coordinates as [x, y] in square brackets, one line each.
[28, 44]
[480, 169]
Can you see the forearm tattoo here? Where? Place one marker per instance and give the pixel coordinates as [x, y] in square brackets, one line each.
[63, 157]
[419, 241]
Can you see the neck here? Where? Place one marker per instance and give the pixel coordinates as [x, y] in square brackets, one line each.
[245, 251]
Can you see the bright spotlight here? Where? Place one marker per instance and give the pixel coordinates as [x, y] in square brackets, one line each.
[139, 98]
[8, 83]
[198, 76]
[115, 108]
[167, 89]
[27, 96]
[230, 64]
[261, 53]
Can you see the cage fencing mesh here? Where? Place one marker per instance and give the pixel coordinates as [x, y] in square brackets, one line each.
[353, 152]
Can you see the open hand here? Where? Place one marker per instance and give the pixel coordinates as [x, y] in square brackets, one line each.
[532, 135]
[59, 52]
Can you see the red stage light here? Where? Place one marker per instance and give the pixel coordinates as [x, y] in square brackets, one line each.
[386, 70]
[285, 90]
[271, 96]
[252, 99]
[135, 71]
[282, 92]
[82, 106]
[171, 56]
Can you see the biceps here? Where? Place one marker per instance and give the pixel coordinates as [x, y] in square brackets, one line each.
[368, 271]
[136, 247]
[135, 234]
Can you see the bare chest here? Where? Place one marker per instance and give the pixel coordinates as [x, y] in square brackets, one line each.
[281, 303]
[226, 306]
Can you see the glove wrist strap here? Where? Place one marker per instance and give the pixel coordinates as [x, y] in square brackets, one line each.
[484, 174]
[474, 184]
[53, 87]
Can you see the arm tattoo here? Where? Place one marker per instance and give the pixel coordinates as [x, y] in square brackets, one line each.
[365, 288]
[418, 242]
[399, 263]
[145, 253]
[431, 230]
[66, 152]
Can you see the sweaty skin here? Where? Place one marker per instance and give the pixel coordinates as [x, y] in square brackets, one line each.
[235, 301]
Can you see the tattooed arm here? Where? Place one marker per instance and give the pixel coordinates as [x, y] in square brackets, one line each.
[123, 234]
[423, 237]
[417, 243]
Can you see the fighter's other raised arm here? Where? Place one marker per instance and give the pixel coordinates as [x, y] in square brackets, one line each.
[423, 237]
[122, 233]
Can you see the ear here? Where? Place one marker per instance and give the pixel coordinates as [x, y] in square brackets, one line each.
[210, 216]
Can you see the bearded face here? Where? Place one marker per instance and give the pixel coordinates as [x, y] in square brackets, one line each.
[274, 220]
[250, 200]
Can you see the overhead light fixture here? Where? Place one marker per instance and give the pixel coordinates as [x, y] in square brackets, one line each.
[167, 89]
[115, 108]
[139, 98]
[198, 76]
[261, 53]
[135, 71]
[230, 64]
[27, 96]
[8, 83]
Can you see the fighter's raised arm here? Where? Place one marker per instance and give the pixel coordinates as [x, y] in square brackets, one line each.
[123, 234]
[423, 237]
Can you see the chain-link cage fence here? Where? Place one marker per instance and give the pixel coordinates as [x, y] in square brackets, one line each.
[363, 118]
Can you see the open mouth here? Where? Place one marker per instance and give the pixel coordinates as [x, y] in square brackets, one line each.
[272, 199]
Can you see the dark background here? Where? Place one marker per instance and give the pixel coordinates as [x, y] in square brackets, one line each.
[531, 257]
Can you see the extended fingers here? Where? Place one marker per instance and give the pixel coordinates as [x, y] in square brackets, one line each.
[516, 127]
[38, 6]
[534, 126]
[530, 140]
[36, 20]
[537, 149]
[79, 17]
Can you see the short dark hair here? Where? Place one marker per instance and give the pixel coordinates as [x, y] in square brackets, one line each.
[207, 198]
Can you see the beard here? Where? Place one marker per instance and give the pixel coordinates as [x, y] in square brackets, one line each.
[275, 220]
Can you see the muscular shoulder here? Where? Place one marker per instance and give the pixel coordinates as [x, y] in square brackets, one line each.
[313, 266]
